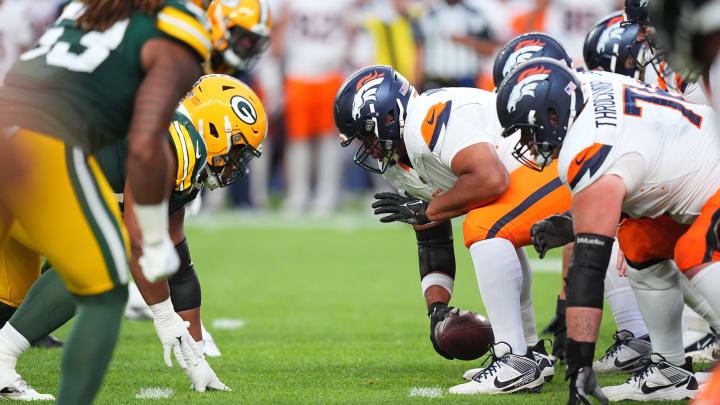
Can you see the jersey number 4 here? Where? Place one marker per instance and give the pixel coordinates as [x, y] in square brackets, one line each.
[98, 45]
[633, 95]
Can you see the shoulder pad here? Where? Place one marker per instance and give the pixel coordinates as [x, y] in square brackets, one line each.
[190, 152]
[187, 23]
[585, 167]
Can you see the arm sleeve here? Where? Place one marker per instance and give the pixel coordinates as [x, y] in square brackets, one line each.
[463, 130]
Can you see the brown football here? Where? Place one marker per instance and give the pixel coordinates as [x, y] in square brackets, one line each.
[465, 335]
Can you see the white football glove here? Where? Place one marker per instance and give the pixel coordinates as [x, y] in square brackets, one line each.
[159, 260]
[174, 335]
[202, 378]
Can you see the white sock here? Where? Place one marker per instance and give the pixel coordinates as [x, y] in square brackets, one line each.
[499, 276]
[438, 279]
[658, 293]
[297, 175]
[329, 173]
[12, 345]
[699, 315]
[706, 282]
[526, 301]
[621, 300]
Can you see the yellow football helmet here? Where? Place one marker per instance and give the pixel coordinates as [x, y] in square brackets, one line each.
[240, 32]
[231, 119]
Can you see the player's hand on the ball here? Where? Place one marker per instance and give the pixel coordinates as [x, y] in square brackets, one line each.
[437, 314]
[406, 209]
[553, 231]
[202, 378]
[583, 385]
[159, 260]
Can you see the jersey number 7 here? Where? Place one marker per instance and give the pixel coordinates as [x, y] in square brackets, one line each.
[632, 95]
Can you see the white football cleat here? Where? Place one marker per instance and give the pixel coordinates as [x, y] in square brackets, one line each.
[208, 343]
[626, 355]
[136, 309]
[704, 349]
[19, 390]
[657, 380]
[546, 365]
[507, 373]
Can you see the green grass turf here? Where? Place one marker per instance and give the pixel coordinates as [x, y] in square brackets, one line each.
[334, 314]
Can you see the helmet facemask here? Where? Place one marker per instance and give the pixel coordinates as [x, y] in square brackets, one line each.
[223, 170]
[373, 154]
[244, 47]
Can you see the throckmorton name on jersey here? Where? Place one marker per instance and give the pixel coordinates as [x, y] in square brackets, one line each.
[604, 103]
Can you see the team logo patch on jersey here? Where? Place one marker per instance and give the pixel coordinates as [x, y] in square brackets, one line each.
[366, 90]
[522, 52]
[526, 84]
[243, 109]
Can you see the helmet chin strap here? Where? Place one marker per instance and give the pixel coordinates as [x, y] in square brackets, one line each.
[211, 181]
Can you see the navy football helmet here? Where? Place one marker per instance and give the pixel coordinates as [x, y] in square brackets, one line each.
[371, 106]
[524, 47]
[541, 98]
[636, 12]
[607, 46]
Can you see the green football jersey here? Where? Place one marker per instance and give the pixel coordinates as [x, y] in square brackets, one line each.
[80, 86]
[191, 156]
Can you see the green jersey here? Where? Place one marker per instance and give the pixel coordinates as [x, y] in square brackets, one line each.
[191, 156]
[80, 86]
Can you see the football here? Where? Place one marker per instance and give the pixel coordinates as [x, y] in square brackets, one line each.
[465, 335]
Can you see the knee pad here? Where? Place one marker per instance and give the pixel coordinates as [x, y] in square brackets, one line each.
[435, 250]
[660, 276]
[586, 276]
[184, 285]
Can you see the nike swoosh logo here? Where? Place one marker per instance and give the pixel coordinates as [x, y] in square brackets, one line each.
[505, 384]
[579, 162]
[432, 119]
[646, 389]
[197, 149]
[621, 364]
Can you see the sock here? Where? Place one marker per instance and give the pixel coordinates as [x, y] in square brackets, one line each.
[665, 325]
[329, 173]
[89, 347]
[12, 345]
[699, 308]
[500, 279]
[526, 303]
[621, 300]
[47, 306]
[297, 175]
[706, 283]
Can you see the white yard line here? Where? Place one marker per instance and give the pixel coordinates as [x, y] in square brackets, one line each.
[155, 393]
[227, 323]
[426, 392]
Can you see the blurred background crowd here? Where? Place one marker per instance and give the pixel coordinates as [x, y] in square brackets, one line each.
[315, 44]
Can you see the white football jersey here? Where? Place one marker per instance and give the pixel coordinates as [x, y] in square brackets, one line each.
[317, 37]
[664, 148]
[439, 124]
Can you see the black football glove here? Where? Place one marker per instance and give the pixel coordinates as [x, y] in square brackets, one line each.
[402, 208]
[437, 313]
[553, 231]
[583, 385]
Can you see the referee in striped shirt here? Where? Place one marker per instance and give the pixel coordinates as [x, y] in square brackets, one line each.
[453, 36]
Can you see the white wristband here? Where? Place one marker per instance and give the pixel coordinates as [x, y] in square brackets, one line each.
[153, 221]
[162, 310]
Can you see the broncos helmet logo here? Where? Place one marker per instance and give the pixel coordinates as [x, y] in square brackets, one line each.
[366, 90]
[527, 82]
[614, 31]
[522, 52]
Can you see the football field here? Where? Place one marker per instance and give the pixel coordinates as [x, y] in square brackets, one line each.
[311, 311]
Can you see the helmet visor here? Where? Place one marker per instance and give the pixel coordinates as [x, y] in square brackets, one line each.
[247, 44]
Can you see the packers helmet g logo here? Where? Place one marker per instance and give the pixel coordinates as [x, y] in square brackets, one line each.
[243, 109]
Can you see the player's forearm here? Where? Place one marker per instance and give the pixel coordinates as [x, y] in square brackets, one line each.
[467, 194]
[152, 293]
[583, 323]
[149, 176]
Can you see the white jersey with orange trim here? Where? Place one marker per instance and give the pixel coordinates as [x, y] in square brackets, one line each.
[317, 38]
[405, 178]
[439, 124]
[663, 148]
[672, 83]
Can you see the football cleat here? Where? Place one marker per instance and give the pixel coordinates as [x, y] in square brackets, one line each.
[507, 373]
[136, 308]
[657, 380]
[19, 390]
[626, 355]
[703, 350]
[543, 360]
[208, 343]
[48, 342]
